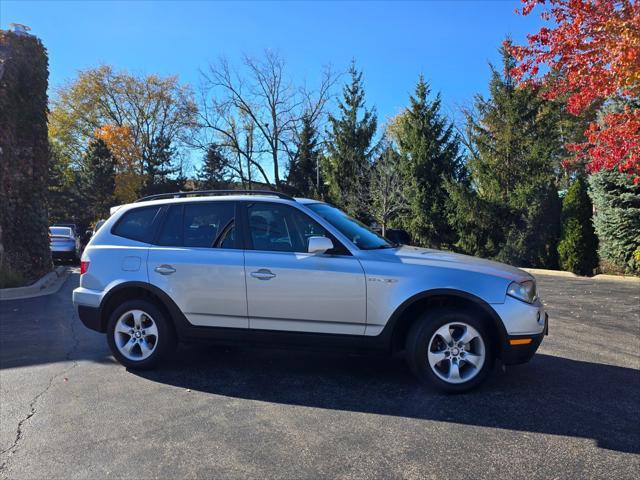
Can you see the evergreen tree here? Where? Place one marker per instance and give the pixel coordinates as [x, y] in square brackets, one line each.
[578, 243]
[304, 175]
[617, 219]
[160, 170]
[100, 179]
[430, 152]
[212, 175]
[350, 149]
[514, 149]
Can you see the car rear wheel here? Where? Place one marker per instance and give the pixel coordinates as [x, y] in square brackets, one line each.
[449, 349]
[139, 334]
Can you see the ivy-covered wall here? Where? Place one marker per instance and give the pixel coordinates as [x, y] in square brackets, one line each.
[24, 155]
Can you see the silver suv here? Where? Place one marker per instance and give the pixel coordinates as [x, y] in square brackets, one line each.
[262, 267]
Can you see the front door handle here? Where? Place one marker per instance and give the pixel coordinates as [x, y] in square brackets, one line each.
[165, 269]
[263, 274]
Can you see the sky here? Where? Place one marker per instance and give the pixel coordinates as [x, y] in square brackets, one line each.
[450, 42]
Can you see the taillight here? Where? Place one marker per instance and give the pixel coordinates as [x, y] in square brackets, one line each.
[84, 266]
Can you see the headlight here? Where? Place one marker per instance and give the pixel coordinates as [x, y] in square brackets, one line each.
[525, 291]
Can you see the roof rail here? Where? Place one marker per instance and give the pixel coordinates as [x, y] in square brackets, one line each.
[212, 193]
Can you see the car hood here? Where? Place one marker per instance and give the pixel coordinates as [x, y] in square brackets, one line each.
[444, 259]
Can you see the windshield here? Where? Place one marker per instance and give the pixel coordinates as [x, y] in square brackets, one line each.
[60, 231]
[355, 231]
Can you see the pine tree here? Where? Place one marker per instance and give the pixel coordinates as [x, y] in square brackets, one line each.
[578, 243]
[350, 149]
[617, 219]
[212, 175]
[430, 152]
[304, 175]
[100, 179]
[514, 149]
[160, 170]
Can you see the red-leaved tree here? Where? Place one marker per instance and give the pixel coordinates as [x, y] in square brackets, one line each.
[591, 53]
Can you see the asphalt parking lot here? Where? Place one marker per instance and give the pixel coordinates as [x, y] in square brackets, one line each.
[68, 411]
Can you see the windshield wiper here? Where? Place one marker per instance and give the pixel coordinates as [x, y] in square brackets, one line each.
[382, 247]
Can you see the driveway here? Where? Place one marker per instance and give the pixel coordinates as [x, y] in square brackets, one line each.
[68, 411]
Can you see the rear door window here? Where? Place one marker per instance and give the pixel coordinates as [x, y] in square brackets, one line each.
[172, 232]
[137, 224]
[204, 225]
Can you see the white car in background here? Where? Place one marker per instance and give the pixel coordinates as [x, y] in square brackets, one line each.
[64, 243]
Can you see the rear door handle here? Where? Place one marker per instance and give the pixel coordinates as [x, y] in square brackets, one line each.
[263, 274]
[165, 269]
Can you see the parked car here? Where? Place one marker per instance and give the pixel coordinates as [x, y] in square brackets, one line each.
[92, 231]
[72, 226]
[99, 223]
[262, 267]
[64, 243]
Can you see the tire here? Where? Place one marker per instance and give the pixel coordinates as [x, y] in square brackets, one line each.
[432, 360]
[147, 346]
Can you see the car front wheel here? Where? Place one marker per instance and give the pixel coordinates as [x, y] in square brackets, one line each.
[139, 334]
[449, 349]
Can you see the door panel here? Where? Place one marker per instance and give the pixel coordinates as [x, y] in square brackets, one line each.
[312, 293]
[294, 290]
[207, 282]
[208, 285]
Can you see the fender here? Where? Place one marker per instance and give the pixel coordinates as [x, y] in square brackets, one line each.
[390, 329]
[180, 322]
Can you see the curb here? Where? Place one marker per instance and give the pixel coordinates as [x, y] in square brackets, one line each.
[39, 288]
[600, 276]
[557, 273]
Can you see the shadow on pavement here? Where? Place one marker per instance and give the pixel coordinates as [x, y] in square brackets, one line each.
[550, 395]
[36, 331]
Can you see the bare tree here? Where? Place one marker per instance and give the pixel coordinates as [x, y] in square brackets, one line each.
[314, 110]
[256, 112]
[387, 200]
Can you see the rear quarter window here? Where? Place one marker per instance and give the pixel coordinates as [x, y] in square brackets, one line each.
[137, 224]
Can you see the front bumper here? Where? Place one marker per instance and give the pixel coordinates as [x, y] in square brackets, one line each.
[515, 351]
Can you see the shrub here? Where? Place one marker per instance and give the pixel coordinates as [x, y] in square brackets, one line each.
[578, 243]
[10, 279]
[617, 218]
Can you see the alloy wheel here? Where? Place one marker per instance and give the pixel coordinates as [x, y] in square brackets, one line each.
[136, 335]
[456, 352]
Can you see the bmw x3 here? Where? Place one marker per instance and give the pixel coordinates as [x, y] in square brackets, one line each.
[254, 267]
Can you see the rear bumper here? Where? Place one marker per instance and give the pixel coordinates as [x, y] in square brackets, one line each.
[90, 317]
[88, 303]
[68, 254]
[514, 351]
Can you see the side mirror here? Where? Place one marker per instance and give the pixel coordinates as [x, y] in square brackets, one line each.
[319, 244]
[88, 233]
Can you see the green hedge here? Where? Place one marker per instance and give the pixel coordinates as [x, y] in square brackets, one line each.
[24, 155]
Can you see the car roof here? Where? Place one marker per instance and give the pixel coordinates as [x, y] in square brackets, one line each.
[213, 198]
